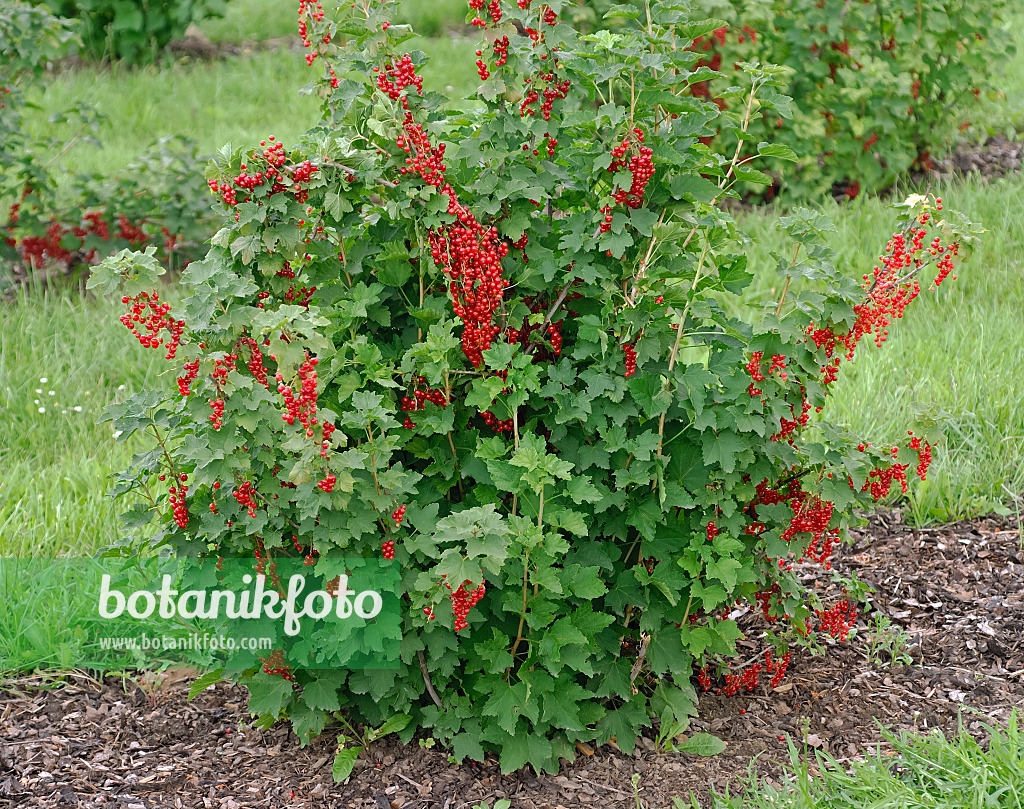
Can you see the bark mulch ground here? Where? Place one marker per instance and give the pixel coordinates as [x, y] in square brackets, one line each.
[957, 592]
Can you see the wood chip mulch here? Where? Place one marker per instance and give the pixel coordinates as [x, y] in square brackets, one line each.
[957, 592]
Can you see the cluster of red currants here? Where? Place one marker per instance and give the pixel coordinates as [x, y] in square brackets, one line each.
[463, 601]
[395, 77]
[315, 11]
[419, 399]
[217, 416]
[156, 320]
[186, 379]
[640, 165]
[177, 499]
[924, 454]
[274, 664]
[554, 91]
[555, 337]
[776, 666]
[838, 620]
[496, 424]
[302, 408]
[630, 351]
[245, 496]
[748, 680]
[255, 362]
[471, 257]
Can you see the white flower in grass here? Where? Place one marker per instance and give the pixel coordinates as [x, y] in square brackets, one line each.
[42, 409]
[77, 408]
[39, 390]
[53, 393]
[42, 379]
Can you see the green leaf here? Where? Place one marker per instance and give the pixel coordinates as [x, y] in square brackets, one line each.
[322, 693]
[691, 185]
[776, 150]
[702, 744]
[204, 682]
[268, 694]
[722, 449]
[505, 705]
[467, 745]
[394, 724]
[307, 722]
[344, 763]
[725, 571]
[525, 748]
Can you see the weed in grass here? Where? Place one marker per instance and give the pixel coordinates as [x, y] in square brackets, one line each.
[914, 770]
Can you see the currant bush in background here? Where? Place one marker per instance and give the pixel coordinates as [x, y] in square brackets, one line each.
[134, 32]
[879, 87]
[157, 199]
[30, 39]
[493, 346]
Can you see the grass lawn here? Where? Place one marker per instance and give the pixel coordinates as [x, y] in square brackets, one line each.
[62, 359]
[239, 100]
[269, 19]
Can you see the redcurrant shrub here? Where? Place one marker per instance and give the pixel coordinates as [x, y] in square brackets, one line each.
[494, 346]
[133, 32]
[879, 87]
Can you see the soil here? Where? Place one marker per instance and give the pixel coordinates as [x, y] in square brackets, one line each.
[957, 592]
[996, 157]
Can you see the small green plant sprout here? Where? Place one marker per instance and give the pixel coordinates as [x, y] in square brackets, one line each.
[888, 645]
[349, 747]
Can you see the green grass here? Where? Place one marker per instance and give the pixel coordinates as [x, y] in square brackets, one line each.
[55, 464]
[918, 771]
[239, 100]
[955, 351]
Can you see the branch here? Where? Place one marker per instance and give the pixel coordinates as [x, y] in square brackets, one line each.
[639, 662]
[551, 312]
[722, 184]
[426, 681]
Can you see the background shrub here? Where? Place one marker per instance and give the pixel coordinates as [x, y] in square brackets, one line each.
[135, 32]
[49, 229]
[30, 38]
[879, 87]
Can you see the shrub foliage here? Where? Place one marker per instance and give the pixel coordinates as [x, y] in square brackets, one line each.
[134, 32]
[154, 200]
[879, 87]
[495, 345]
